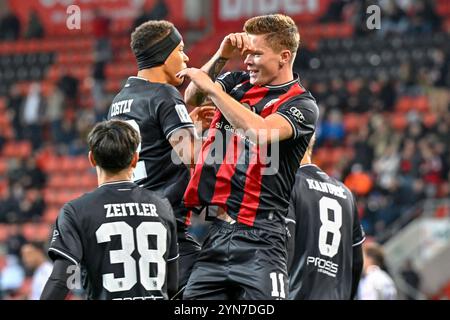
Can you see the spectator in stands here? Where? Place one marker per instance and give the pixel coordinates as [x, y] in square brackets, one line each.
[14, 102]
[413, 280]
[9, 26]
[358, 181]
[11, 274]
[363, 151]
[32, 115]
[34, 176]
[376, 284]
[35, 30]
[332, 129]
[55, 112]
[2, 140]
[35, 260]
[388, 94]
[10, 204]
[386, 167]
[32, 206]
[7, 205]
[394, 19]
[334, 11]
[159, 11]
[15, 239]
[100, 28]
[69, 87]
[98, 85]
[68, 133]
[424, 18]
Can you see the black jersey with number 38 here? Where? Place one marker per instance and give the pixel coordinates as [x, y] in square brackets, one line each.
[324, 227]
[122, 236]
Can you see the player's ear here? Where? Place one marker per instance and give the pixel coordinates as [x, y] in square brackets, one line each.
[285, 57]
[91, 159]
[135, 160]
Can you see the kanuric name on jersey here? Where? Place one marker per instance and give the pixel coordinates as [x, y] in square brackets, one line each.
[326, 187]
[130, 209]
[120, 107]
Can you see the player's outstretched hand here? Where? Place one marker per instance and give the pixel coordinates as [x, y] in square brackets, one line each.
[202, 117]
[199, 78]
[232, 43]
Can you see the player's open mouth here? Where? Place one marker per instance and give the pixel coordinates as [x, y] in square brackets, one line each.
[253, 73]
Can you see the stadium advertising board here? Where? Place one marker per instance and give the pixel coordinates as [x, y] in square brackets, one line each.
[233, 13]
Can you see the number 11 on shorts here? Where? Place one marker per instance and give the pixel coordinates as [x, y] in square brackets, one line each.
[275, 292]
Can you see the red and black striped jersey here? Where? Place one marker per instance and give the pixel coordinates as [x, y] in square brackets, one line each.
[252, 182]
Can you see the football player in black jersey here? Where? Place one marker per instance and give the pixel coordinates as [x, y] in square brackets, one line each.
[324, 251]
[153, 106]
[247, 165]
[119, 240]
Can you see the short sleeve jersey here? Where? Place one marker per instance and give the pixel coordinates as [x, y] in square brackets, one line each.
[122, 237]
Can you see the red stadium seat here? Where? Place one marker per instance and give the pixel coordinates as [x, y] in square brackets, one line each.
[17, 149]
[36, 231]
[57, 181]
[4, 232]
[442, 211]
[404, 104]
[3, 187]
[29, 231]
[421, 104]
[429, 120]
[399, 121]
[51, 214]
[81, 163]
[351, 122]
[43, 232]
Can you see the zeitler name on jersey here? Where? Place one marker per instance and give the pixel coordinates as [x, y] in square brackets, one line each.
[130, 209]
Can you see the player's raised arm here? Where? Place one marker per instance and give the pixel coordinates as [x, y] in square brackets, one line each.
[232, 43]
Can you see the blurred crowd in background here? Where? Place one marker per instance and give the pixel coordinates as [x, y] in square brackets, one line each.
[384, 116]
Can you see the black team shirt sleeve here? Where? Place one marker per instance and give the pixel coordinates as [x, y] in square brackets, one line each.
[66, 240]
[171, 112]
[358, 232]
[229, 80]
[302, 115]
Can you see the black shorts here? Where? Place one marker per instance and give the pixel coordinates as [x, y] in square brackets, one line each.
[188, 249]
[239, 262]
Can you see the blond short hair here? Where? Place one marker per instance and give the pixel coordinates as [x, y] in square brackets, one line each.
[280, 30]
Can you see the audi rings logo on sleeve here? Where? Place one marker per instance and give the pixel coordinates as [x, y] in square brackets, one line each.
[246, 105]
[297, 114]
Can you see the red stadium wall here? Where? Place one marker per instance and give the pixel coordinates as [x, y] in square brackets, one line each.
[53, 12]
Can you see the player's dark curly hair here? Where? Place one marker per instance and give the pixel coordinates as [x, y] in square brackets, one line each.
[149, 33]
[113, 144]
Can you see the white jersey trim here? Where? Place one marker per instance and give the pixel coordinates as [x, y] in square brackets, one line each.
[292, 125]
[359, 242]
[174, 258]
[187, 125]
[114, 182]
[65, 255]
